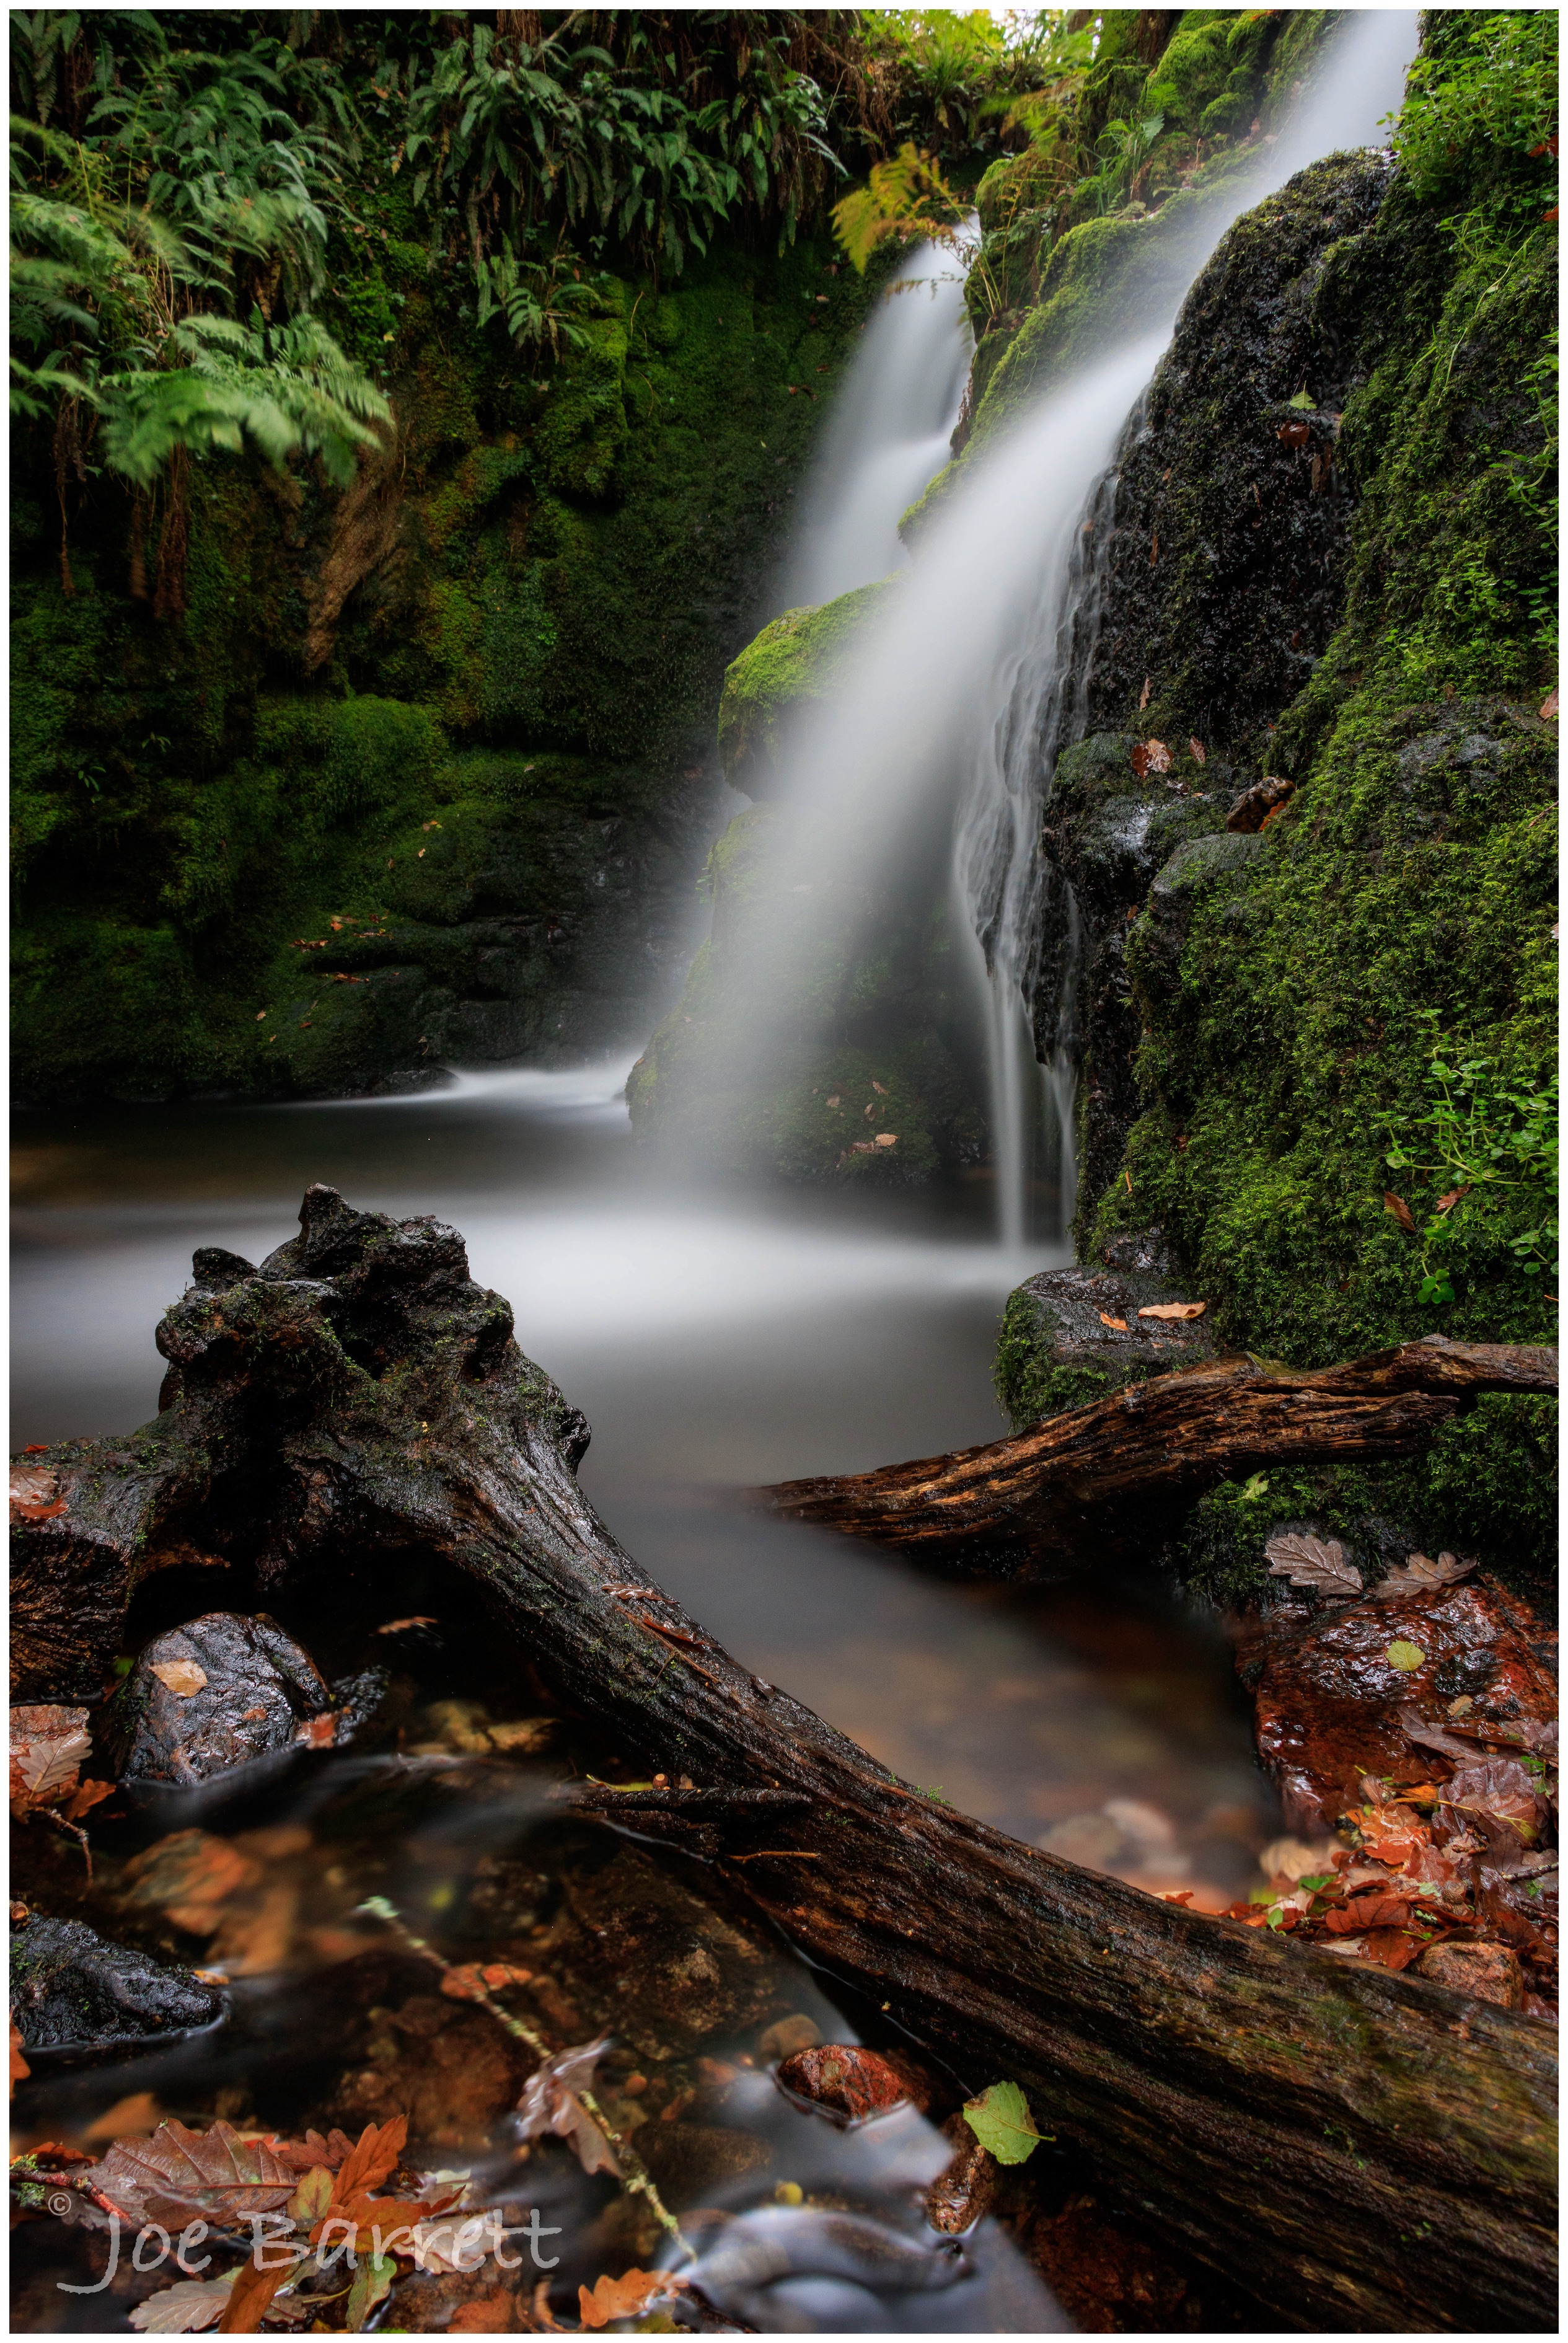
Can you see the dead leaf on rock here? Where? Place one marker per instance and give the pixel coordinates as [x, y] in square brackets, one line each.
[625, 2297]
[1418, 1576]
[1174, 1310]
[1118, 1324]
[183, 1677]
[1549, 705]
[1400, 1210]
[1307, 1561]
[47, 1746]
[397, 1627]
[1150, 756]
[1499, 1788]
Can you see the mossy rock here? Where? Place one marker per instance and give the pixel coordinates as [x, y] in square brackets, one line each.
[796, 663]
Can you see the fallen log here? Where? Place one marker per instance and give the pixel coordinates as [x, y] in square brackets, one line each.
[1359, 2149]
[1105, 1479]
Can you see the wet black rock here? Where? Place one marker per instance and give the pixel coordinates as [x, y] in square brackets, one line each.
[1071, 1336]
[358, 1702]
[215, 1693]
[71, 1989]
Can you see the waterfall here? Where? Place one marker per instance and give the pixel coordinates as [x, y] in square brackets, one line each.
[888, 435]
[938, 729]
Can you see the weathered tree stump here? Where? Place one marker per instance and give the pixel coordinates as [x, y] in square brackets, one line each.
[1105, 1479]
[1361, 2149]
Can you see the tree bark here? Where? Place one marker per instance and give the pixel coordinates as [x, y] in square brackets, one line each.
[1110, 1478]
[1361, 2149]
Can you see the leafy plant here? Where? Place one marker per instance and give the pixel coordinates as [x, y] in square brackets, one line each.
[1481, 107]
[1483, 1138]
[906, 197]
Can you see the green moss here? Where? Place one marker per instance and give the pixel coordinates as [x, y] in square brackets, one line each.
[796, 662]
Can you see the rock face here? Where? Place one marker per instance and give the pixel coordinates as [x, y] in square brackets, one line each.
[215, 1693]
[72, 1990]
[1071, 1336]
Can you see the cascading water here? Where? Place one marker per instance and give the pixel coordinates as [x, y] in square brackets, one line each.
[888, 435]
[975, 671]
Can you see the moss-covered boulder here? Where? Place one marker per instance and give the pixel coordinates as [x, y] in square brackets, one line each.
[1072, 1336]
[794, 665]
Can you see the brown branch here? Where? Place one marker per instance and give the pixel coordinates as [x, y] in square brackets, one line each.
[1055, 1498]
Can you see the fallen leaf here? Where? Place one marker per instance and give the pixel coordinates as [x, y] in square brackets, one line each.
[372, 2284]
[213, 2172]
[1499, 1788]
[550, 2103]
[139, 2114]
[183, 1677]
[887, 1139]
[184, 2309]
[474, 1978]
[1418, 1576]
[1446, 1203]
[1174, 1310]
[1198, 752]
[47, 1746]
[33, 1487]
[879, 1091]
[248, 2297]
[1294, 434]
[1143, 696]
[1404, 1655]
[373, 2157]
[397, 1627]
[1150, 756]
[627, 2297]
[1307, 1561]
[1000, 2120]
[86, 1795]
[317, 1732]
[1549, 705]
[1393, 1948]
[1120, 1324]
[1400, 1210]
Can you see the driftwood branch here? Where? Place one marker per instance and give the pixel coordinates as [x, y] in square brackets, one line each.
[1101, 1478]
[1291, 2118]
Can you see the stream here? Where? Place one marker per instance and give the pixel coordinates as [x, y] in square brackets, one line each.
[714, 1341]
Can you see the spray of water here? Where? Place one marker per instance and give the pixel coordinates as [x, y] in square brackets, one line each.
[888, 435]
[973, 676]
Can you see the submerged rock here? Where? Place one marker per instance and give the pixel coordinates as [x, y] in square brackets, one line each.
[71, 1989]
[215, 1693]
[850, 2085]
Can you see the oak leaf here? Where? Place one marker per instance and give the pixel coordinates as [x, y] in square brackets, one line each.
[48, 1744]
[1501, 1788]
[1307, 1561]
[371, 2159]
[627, 2297]
[248, 2297]
[1152, 757]
[1417, 1576]
[1198, 752]
[184, 2309]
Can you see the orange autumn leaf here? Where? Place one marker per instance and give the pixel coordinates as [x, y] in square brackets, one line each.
[624, 2297]
[1174, 1310]
[1120, 1324]
[1400, 1210]
[369, 2162]
[249, 2296]
[493, 2313]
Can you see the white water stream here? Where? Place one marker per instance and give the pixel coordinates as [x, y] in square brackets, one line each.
[972, 677]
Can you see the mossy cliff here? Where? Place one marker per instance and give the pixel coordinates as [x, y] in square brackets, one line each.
[1330, 561]
[821, 1032]
[422, 770]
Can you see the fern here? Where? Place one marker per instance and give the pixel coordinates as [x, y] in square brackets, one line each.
[906, 197]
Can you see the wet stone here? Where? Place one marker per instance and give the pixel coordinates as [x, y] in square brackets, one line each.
[849, 2084]
[964, 2191]
[1489, 1972]
[230, 1690]
[71, 1989]
[1330, 1705]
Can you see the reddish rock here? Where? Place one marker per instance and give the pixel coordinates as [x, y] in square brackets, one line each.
[1490, 1971]
[1109, 2277]
[848, 2083]
[1328, 1698]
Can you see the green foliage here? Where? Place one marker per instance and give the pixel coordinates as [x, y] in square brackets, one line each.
[1479, 116]
[907, 198]
[1487, 1141]
[1001, 2122]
